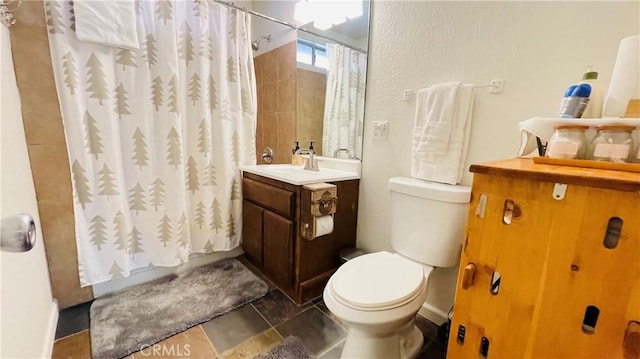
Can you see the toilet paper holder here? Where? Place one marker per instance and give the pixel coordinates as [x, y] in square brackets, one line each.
[317, 200]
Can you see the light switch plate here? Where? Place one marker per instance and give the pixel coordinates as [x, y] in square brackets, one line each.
[380, 130]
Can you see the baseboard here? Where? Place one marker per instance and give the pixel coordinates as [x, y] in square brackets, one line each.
[433, 314]
[50, 335]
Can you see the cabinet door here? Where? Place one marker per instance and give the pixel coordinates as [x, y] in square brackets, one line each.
[278, 248]
[252, 231]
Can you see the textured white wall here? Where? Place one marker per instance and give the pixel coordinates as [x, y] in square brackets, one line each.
[27, 310]
[538, 48]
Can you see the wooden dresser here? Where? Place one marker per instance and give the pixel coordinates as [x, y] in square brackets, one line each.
[550, 267]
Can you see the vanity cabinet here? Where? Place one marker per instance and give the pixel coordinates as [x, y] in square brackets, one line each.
[272, 239]
[550, 267]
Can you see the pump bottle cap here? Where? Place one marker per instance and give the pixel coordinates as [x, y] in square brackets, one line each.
[590, 74]
[570, 90]
[582, 90]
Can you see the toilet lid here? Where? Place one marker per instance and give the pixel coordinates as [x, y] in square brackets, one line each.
[377, 280]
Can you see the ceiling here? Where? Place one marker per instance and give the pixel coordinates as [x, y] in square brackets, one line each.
[358, 27]
[355, 28]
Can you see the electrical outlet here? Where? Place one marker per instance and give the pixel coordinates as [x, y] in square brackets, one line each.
[380, 130]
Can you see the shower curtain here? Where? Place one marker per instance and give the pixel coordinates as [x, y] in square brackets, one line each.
[155, 135]
[344, 104]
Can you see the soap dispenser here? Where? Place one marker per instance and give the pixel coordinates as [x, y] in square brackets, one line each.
[311, 147]
[296, 159]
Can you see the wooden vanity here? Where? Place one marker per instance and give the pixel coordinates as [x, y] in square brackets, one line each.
[272, 239]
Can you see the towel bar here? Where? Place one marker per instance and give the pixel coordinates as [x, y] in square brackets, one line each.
[496, 86]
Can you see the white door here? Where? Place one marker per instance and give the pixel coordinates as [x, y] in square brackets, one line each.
[28, 314]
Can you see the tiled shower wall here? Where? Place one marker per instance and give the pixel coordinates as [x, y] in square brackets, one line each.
[311, 92]
[290, 104]
[276, 91]
[47, 151]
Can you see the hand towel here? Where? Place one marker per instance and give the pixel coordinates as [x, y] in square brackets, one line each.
[107, 22]
[432, 122]
[449, 107]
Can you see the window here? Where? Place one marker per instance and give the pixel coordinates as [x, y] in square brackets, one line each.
[311, 53]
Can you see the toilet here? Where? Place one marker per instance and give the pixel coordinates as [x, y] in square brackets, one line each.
[377, 295]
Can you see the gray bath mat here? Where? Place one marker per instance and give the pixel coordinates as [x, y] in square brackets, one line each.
[130, 320]
[290, 348]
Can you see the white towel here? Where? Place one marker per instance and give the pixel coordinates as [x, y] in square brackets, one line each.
[441, 132]
[107, 22]
[433, 118]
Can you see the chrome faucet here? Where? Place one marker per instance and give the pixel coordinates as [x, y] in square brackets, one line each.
[267, 155]
[338, 150]
[310, 163]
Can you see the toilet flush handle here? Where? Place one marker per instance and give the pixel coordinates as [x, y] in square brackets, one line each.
[468, 276]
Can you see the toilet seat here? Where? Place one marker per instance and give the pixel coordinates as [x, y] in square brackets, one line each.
[377, 281]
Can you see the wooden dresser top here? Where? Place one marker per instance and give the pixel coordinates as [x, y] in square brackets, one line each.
[525, 168]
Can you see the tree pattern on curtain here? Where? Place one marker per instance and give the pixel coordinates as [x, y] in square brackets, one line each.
[344, 101]
[155, 135]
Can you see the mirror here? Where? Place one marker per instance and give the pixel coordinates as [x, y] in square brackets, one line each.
[310, 82]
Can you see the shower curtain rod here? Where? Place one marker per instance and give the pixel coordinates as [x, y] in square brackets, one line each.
[266, 17]
[333, 40]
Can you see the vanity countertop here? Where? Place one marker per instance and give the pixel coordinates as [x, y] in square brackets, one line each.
[297, 175]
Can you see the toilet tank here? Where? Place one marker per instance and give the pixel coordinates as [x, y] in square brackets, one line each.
[428, 220]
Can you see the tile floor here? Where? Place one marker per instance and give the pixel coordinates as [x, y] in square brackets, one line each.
[243, 333]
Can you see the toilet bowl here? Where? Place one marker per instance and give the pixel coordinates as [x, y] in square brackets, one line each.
[377, 296]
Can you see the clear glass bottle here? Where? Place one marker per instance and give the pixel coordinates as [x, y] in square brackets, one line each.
[613, 143]
[568, 141]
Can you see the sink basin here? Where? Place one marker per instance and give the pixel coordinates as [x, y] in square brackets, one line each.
[297, 175]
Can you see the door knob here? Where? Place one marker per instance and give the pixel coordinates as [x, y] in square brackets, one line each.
[17, 233]
[468, 276]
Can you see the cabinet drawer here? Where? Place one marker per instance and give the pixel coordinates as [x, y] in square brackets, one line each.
[278, 200]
